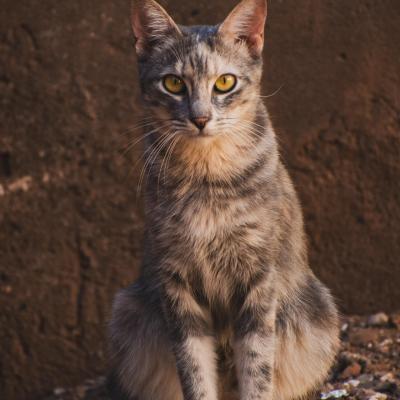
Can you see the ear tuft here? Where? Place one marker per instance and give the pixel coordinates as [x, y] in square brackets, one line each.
[246, 23]
[150, 23]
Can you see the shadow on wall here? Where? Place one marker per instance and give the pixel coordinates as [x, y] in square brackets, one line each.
[70, 223]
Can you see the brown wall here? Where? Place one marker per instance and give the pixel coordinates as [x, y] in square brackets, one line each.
[70, 225]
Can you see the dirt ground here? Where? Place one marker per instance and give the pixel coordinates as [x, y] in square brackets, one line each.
[367, 367]
[70, 221]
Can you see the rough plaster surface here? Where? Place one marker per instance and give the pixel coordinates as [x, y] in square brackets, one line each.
[70, 224]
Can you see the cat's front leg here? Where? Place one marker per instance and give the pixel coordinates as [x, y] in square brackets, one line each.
[192, 342]
[254, 346]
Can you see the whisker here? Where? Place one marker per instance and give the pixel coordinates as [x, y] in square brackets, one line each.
[137, 126]
[178, 138]
[273, 93]
[170, 145]
[162, 146]
[247, 129]
[152, 157]
[146, 151]
[150, 152]
[130, 146]
[146, 122]
[244, 120]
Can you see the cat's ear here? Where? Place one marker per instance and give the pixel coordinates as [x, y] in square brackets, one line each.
[246, 23]
[150, 24]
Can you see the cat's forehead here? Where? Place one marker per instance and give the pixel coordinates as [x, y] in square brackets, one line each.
[202, 61]
[202, 56]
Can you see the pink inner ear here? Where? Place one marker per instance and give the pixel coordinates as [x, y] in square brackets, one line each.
[149, 22]
[246, 23]
[138, 28]
[256, 40]
[259, 22]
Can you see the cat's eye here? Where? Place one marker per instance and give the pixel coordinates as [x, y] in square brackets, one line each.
[225, 83]
[174, 84]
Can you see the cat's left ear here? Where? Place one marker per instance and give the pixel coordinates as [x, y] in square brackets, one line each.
[151, 24]
[246, 23]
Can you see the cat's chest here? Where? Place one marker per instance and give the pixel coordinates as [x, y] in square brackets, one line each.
[205, 219]
[219, 245]
[224, 238]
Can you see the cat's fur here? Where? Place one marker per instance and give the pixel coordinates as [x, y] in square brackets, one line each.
[226, 305]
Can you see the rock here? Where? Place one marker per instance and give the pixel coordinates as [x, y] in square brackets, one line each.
[345, 327]
[386, 342]
[370, 395]
[366, 381]
[378, 396]
[7, 289]
[387, 377]
[366, 378]
[351, 384]
[59, 391]
[81, 391]
[379, 319]
[353, 370]
[367, 393]
[387, 387]
[22, 184]
[364, 336]
[335, 394]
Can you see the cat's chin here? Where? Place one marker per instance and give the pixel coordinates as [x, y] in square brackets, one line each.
[205, 134]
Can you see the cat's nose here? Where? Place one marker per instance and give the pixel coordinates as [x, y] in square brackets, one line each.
[200, 122]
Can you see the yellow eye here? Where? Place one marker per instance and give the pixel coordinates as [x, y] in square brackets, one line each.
[174, 84]
[225, 83]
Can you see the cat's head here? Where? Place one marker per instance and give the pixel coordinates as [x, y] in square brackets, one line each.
[200, 81]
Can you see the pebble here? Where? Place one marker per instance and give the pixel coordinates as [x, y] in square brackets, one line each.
[366, 381]
[364, 378]
[364, 336]
[378, 319]
[335, 394]
[22, 184]
[378, 396]
[352, 370]
[351, 384]
[7, 289]
[387, 377]
[59, 391]
[345, 327]
[387, 387]
[386, 343]
[81, 391]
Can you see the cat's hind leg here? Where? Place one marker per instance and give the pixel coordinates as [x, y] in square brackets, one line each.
[307, 341]
[143, 365]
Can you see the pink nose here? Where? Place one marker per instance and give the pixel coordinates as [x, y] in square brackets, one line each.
[200, 122]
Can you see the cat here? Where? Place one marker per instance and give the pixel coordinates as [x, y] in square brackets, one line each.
[226, 306]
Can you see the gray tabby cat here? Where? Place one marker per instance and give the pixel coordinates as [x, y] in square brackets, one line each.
[226, 306]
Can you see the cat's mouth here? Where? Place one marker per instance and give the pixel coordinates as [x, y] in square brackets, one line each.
[192, 131]
[204, 133]
[207, 131]
[200, 133]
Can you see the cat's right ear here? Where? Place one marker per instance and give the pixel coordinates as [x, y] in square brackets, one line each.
[150, 24]
[246, 24]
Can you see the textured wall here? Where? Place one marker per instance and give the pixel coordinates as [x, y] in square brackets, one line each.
[70, 225]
